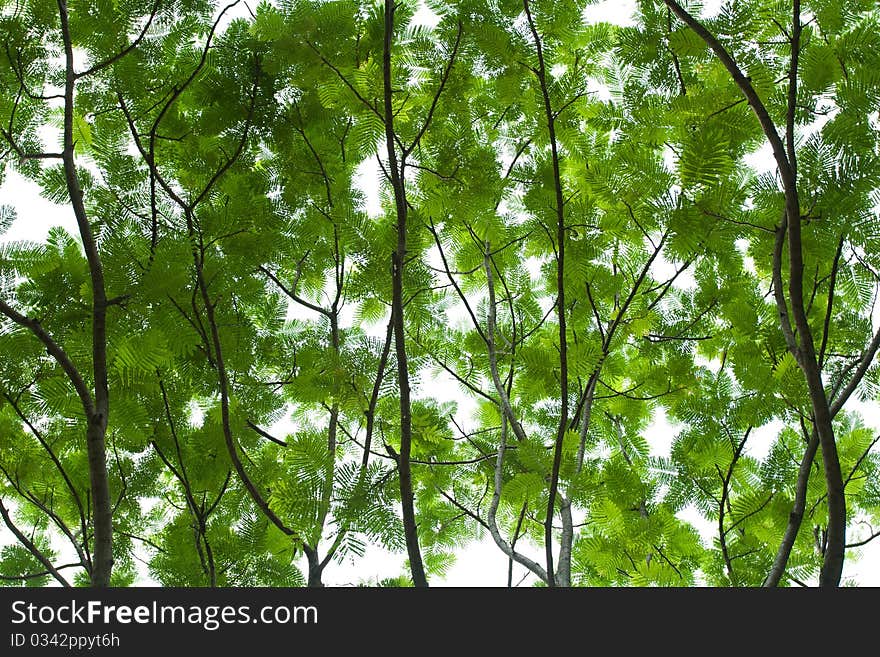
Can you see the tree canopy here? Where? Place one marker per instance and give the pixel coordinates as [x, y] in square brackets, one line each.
[343, 274]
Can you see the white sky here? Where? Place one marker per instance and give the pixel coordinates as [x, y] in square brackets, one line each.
[481, 563]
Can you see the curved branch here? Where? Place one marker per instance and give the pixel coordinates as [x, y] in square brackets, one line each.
[31, 547]
[56, 352]
[134, 44]
[491, 523]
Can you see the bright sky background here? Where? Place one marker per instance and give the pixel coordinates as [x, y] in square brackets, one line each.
[481, 563]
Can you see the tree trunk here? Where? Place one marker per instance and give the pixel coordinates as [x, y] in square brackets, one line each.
[102, 511]
[315, 568]
[398, 262]
[550, 115]
[97, 416]
[805, 351]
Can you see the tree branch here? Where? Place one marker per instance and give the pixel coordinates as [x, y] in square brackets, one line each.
[31, 547]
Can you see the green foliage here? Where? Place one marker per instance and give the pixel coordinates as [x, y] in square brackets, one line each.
[234, 175]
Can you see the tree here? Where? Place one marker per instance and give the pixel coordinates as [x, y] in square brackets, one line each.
[35, 81]
[793, 305]
[567, 248]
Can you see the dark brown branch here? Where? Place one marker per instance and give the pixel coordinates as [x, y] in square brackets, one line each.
[26, 155]
[266, 434]
[398, 262]
[777, 569]
[292, 292]
[748, 515]
[31, 546]
[778, 291]
[98, 415]
[738, 222]
[374, 396]
[255, 494]
[302, 131]
[470, 514]
[27, 576]
[455, 285]
[39, 436]
[245, 132]
[143, 540]
[149, 155]
[865, 363]
[666, 559]
[134, 44]
[56, 352]
[370, 106]
[835, 266]
[559, 248]
[444, 78]
[785, 156]
[864, 542]
[516, 534]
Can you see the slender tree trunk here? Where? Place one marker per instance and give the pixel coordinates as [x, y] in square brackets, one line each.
[316, 568]
[97, 416]
[397, 172]
[804, 351]
[102, 514]
[832, 567]
[209, 553]
[835, 553]
[374, 396]
[560, 307]
[777, 570]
